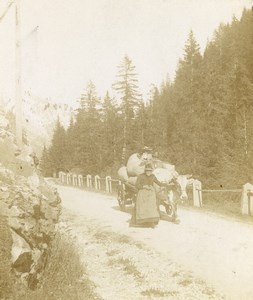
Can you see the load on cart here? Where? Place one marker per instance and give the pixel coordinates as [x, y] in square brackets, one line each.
[174, 186]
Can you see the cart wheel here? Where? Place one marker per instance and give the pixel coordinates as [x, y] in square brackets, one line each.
[121, 197]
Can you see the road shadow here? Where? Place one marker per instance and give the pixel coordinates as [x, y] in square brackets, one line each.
[129, 210]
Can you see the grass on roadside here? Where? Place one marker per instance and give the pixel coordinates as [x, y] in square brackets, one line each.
[154, 292]
[220, 203]
[128, 266]
[226, 202]
[6, 278]
[103, 235]
[64, 277]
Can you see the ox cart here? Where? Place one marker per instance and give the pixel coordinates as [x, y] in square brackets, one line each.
[127, 194]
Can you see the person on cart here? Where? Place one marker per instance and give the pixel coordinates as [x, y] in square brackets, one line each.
[145, 155]
[146, 210]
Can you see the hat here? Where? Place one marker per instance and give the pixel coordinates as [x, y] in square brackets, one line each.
[148, 167]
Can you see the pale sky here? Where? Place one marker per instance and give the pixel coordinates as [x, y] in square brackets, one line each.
[82, 40]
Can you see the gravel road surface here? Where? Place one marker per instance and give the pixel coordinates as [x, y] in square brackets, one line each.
[203, 257]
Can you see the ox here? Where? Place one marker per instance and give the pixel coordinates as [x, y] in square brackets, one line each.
[180, 182]
[177, 185]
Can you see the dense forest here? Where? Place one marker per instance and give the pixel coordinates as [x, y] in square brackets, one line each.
[202, 121]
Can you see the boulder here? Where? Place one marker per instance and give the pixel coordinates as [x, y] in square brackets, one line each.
[21, 253]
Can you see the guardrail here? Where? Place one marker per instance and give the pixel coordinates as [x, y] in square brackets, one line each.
[246, 197]
[88, 181]
[109, 185]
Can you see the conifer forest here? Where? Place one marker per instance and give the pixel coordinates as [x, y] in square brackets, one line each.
[201, 120]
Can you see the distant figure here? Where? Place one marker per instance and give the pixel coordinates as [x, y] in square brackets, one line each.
[146, 210]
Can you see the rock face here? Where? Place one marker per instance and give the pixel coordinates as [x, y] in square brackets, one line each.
[32, 214]
[31, 206]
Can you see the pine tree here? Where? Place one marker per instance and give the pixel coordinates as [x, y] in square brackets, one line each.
[57, 149]
[89, 101]
[227, 92]
[189, 105]
[46, 163]
[242, 90]
[127, 87]
[111, 124]
[89, 129]
[71, 155]
[141, 122]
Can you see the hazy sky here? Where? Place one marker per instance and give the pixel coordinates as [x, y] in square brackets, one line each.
[82, 40]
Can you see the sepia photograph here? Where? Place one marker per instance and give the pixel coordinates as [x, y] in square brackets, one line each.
[126, 150]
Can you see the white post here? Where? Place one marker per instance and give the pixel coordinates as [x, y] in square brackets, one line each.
[108, 184]
[61, 176]
[97, 182]
[80, 180]
[74, 179]
[247, 199]
[68, 178]
[89, 183]
[197, 193]
[64, 178]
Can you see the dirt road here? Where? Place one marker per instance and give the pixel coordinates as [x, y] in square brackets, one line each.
[204, 257]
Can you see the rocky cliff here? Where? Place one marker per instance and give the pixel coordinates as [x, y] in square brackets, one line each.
[30, 205]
